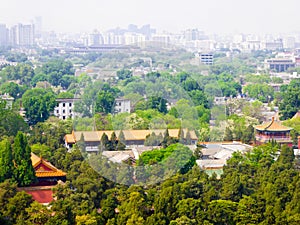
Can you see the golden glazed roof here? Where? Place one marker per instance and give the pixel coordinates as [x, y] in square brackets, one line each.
[272, 126]
[40, 172]
[129, 135]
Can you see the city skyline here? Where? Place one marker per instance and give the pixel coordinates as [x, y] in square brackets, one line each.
[231, 16]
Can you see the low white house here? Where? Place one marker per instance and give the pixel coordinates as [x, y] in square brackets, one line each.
[122, 105]
[65, 108]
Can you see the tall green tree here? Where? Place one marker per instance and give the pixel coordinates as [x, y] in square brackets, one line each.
[104, 102]
[6, 160]
[24, 172]
[114, 141]
[38, 103]
[105, 143]
[286, 155]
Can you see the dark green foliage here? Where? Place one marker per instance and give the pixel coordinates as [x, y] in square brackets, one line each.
[158, 103]
[221, 212]
[81, 144]
[181, 136]
[24, 172]
[188, 138]
[168, 140]
[14, 90]
[153, 139]
[113, 141]
[254, 189]
[57, 72]
[248, 135]
[286, 156]
[121, 143]
[6, 160]
[104, 102]
[105, 143]
[10, 122]
[124, 74]
[38, 103]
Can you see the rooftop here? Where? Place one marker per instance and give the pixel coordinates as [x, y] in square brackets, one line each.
[272, 126]
[44, 168]
[95, 136]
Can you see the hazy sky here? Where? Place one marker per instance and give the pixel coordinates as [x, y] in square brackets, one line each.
[220, 16]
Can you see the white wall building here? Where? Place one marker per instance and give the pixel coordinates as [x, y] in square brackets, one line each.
[122, 105]
[65, 108]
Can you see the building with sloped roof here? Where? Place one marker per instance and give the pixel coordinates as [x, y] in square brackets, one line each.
[273, 130]
[48, 176]
[46, 173]
[92, 139]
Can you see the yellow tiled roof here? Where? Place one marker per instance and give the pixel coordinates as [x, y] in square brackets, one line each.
[90, 136]
[58, 173]
[36, 161]
[70, 138]
[272, 126]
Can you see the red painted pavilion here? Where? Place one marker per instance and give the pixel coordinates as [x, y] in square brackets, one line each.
[273, 130]
[48, 176]
[46, 173]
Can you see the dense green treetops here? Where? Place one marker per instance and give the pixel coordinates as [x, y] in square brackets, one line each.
[260, 187]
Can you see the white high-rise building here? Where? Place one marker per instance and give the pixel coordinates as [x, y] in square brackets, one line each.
[22, 35]
[3, 35]
[38, 27]
[95, 39]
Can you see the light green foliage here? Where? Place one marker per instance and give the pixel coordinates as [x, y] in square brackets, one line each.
[260, 91]
[290, 103]
[293, 123]
[57, 72]
[257, 79]
[22, 72]
[86, 220]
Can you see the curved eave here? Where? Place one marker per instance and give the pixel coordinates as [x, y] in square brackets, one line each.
[281, 130]
[50, 174]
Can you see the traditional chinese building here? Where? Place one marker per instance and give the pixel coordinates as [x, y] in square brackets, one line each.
[273, 130]
[48, 176]
[92, 139]
[46, 173]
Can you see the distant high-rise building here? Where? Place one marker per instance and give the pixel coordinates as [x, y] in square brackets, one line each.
[147, 31]
[95, 39]
[3, 35]
[38, 27]
[22, 35]
[289, 42]
[191, 34]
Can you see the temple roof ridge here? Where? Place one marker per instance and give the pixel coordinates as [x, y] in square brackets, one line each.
[272, 125]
